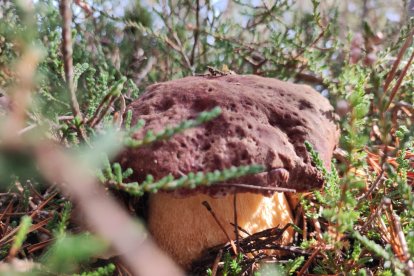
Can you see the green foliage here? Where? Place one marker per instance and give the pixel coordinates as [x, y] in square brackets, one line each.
[288, 268]
[113, 173]
[102, 271]
[25, 224]
[270, 270]
[114, 177]
[65, 217]
[294, 265]
[232, 265]
[355, 135]
[373, 246]
[380, 251]
[68, 251]
[168, 132]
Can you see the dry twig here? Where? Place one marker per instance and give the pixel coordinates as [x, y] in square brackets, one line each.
[208, 207]
[66, 12]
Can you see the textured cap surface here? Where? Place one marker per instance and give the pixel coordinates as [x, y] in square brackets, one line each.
[263, 121]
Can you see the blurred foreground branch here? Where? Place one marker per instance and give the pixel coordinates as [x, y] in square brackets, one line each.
[104, 215]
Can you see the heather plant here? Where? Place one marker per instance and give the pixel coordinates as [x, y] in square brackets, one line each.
[80, 70]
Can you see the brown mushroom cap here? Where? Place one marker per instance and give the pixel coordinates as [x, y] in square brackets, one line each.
[263, 121]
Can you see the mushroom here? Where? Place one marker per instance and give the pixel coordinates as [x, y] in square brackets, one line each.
[263, 121]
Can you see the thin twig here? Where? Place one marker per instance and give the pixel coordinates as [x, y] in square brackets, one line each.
[236, 227]
[309, 78]
[305, 227]
[177, 46]
[312, 44]
[93, 120]
[396, 225]
[10, 236]
[376, 214]
[67, 51]
[378, 181]
[241, 229]
[384, 231]
[400, 55]
[308, 262]
[405, 107]
[35, 247]
[393, 235]
[293, 249]
[317, 226]
[216, 263]
[182, 52]
[400, 79]
[66, 12]
[208, 207]
[400, 234]
[84, 6]
[7, 210]
[104, 112]
[252, 244]
[144, 72]
[43, 204]
[65, 118]
[253, 187]
[26, 129]
[118, 121]
[34, 191]
[196, 32]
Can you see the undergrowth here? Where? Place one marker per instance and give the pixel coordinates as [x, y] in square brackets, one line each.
[360, 223]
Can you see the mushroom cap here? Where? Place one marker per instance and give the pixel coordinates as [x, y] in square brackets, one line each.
[264, 121]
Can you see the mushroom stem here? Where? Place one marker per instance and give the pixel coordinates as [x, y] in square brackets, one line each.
[183, 227]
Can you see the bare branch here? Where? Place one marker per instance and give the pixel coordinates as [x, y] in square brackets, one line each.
[66, 13]
[196, 33]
